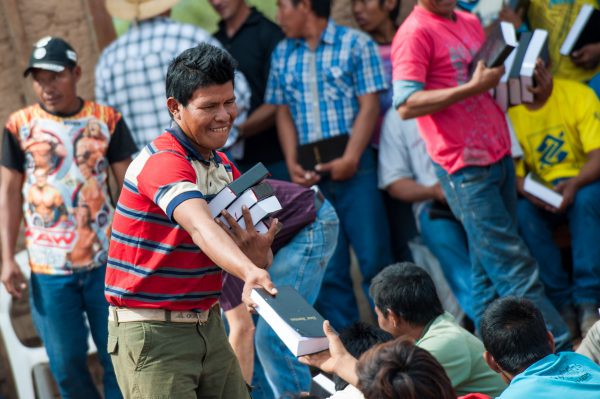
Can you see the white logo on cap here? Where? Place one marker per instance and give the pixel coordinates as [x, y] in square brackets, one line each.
[39, 53]
[71, 55]
[43, 41]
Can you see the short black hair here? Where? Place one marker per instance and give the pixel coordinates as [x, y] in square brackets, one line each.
[358, 338]
[201, 66]
[408, 291]
[513, 331]
[321, 8]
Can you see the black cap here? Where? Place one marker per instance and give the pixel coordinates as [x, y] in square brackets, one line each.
[51, 54]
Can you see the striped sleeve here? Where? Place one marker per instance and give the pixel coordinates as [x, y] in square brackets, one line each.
[369, 73]
[168, 179]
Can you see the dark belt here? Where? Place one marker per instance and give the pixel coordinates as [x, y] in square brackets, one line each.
[319, 199]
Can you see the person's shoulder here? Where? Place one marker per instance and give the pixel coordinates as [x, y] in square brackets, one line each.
[21, 117]
[353, 35]
[466, 16]
[573, 89]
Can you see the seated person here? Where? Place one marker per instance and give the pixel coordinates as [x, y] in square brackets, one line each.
[400, 369]
[521, 349]
[560, 136]
[590, 346]
[407, 305]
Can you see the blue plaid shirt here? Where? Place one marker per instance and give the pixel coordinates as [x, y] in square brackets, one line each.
[130, 75]
[322, 87]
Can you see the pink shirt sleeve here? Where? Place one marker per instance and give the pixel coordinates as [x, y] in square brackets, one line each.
[411, 55]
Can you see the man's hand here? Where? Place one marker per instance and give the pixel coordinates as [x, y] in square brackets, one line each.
[568, 188]
[256, 246]
[543, 88]
[438, 193]
[485, 78]
[587, 57]
[256, 278]
[342, 168]
[13, 278]
[332, 360]
[303, 177]
[533, 199]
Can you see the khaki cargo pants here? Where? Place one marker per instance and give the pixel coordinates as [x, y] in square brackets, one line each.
[175, 360]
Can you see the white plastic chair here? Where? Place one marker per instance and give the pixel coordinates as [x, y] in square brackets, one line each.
[25, 362]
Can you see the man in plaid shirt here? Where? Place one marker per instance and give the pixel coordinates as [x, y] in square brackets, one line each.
[325, 81]
[130, 74]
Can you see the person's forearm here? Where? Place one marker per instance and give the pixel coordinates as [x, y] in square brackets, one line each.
[590, 171]
[119, 169]
[346, 370]
[260, 120]
[362, 130]
[11, 212]
[287, 133]
[410, 191]
[425, 102]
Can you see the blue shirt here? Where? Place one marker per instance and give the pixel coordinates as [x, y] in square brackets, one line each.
[565, 375]
[322, 87]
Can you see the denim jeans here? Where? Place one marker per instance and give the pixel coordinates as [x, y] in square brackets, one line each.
[484, 199]
[583, 216]
[57, 307]
[364, 226]
[301, 264]
[446, 239]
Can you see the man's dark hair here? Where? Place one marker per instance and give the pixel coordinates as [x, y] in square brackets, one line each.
[393, 12]
[201, 66]
[321, 8]
[400, 369]
[358, 338]
[514, 333]
[408, 291]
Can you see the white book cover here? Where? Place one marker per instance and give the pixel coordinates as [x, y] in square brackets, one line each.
[528, 67]
[261, 210]
[325, 382]
[221, 201]
[535, 186]
[582, 18]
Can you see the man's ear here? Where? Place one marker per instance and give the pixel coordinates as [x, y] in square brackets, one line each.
[491, 362]
[77, 73]
[551, 342]
[394, 318]
[174, 108]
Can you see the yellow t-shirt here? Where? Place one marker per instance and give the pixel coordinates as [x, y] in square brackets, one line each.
[557, 17]
[557, 137]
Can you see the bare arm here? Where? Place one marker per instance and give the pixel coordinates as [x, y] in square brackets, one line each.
[345, 167]
[11, 214]
[195, 218]
[590, 172]
[261, 119]
[241, 339]
[119, 169]
[288, 140]
[425, 102]
[410, 191]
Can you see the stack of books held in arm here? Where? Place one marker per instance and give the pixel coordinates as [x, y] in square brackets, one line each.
[294, 320]
[249, 190]
[585, 30]
[542, 190]
[520, 69]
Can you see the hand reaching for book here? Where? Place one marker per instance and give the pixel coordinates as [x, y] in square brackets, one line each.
[587, 57]
[256, 278]
[484, 78]
[256, 246]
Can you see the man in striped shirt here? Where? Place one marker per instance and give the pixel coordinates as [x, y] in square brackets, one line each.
[164, 269]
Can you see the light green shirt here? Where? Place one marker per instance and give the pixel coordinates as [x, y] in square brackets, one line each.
[461, 355]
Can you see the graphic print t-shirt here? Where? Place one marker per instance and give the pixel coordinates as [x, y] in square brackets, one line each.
[66, 203]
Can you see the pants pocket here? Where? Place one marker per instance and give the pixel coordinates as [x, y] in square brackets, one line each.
[112, 346]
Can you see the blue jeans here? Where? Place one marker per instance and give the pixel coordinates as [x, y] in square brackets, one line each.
[57, 307]
[484, 199]
[301, 264]
[364, 226]
[583, 216]
[447, 240]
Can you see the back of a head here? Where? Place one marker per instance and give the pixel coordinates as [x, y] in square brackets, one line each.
[321, 8]
[514, 333]
[399, 369]
[408, 291]
[201, 66]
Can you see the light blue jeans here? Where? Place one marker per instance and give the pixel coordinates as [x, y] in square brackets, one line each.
[583, 216]
[447, 240]
[57, 307]
[484, 199]
[301, 264]
[364, 226]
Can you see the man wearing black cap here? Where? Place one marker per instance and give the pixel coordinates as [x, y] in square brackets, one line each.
[43, 140]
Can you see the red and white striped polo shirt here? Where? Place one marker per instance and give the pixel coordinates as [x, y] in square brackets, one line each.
[152, 261]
